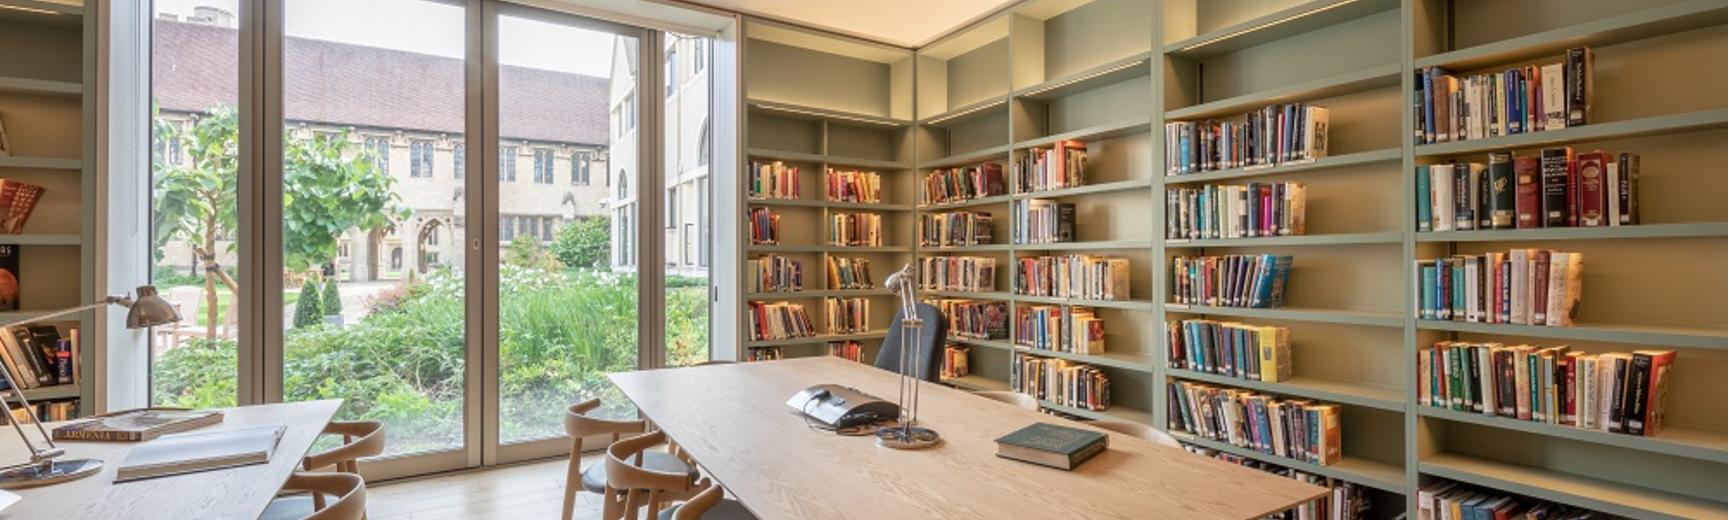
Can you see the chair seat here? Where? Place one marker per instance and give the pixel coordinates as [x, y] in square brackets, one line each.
[594, 478]
[293, 507]
[725, 510]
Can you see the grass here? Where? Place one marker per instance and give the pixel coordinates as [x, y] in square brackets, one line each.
[224, 298]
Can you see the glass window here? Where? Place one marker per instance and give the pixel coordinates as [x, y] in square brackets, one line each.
[579, 164]
[672, 68]
[460, 159]
[420, 158]
[542, 166]
[686, 238]
[699, 55]
[379, 148]
[507, 163]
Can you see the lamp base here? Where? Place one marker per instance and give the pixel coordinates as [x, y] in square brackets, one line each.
[51, 472]
[907, 438]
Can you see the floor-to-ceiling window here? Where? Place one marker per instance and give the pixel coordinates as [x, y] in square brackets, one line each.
[685, 148]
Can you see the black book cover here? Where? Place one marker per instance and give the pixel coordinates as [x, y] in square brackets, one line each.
[1580, 62]
[1482, 201]
[1616, 406]
[1628, 192]
[1637, 384]
[1473, 367]
[1065, 222]
[45, 373]
[44, 341]
[1463, 216]
[1502, 204]
[1555, 162]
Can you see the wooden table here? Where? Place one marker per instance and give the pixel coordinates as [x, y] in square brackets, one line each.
[233, 493]
[734, 421]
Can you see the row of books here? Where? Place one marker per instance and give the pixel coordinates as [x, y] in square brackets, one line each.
[1554, 189]
[853, 186]
[773, 180]
[855, 230]
[764, 354]
[1061, 165]
[38, 356]
[1531, 98]
[1274, 135]
[847, 315]
[956, 228]
[1521, 286]
[1061, 328]
[955, 361]
[45, 412]
[957, 273]
[972, 319]
[779, 320]
[775, 273]
[848, 350]
[1259, 209]
[17, 202]
[1041, 221]
[1239, 350]
[849, 273]
[1347, 501]
[962, 184]
[1448, 500]
[1083, 277]
[1255, 281]
[764, 226]
[1060, 381]
[1614, 392]
[1291, 428]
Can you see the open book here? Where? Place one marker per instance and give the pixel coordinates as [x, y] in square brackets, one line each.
[200, 451]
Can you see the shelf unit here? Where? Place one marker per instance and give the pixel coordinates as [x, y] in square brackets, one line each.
[1112, 73]
[48, 111]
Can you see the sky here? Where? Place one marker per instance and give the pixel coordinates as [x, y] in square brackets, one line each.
[432, 28]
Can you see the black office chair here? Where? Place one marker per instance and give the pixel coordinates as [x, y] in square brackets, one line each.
[928, 343]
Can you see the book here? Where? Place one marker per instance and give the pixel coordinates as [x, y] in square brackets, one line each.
[1251, 210]
[137, 425]
[1553, 96]
[1060, 381]
[1580, 84]
[1626, 192]
[1592, 189]
[17, 202]
[1043, 221]
[947, 186]
[28, 359]
[773, 180]
[1502, 207]
[853, 186]
[1046, 444]
[957, 273]
[11, 287]
[1556, 163]
[1527, 201]
[1084, 277]
[971, 319]
[182, 453]
[1296, 429]
[1255, 281]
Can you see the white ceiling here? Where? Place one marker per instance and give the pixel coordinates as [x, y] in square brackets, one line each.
[907, 23]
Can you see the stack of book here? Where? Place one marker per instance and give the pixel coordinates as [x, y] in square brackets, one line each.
[855, 230]
[1445, 499]
[1277, 134]
[854, 186]
[1554, 189]
[1532, 98]
[1294, 429]
[39, 356]
[962, 184]
[1240, 350]
[957, 273]
[764, 227]
[1041, 221]
[1521, 286]
[45, 412]
[1059, 329]
[764, 354]
[972, 319]
[1084, 277]
[954, 361]
[1348, 501]
[781, 320]
[775, 273]
[848, 315]
[1060, 381]
[1260, 209]
[1613, 392]
[1255, 281]
[848, 350]
[958, 228]
[773, 180]
[849, 273]
[1062, 165]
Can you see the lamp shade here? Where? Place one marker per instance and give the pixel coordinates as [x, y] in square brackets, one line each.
[150, 310]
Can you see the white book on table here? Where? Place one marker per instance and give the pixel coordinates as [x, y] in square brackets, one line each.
[200, 451]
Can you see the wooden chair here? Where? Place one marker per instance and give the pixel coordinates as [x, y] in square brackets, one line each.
[360, 439]
[631, 487]
[709, 504]
[348, 489]
[1142, 431]
[1013, 398]
[579, 425]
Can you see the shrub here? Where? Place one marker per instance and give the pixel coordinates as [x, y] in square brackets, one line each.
[332, 304]
[308, 310]
[585, 243]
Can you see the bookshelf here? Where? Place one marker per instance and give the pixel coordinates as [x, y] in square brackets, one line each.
[47, 110]
[1112, 73]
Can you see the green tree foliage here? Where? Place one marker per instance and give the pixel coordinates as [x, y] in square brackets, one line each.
[332, 304]
[195, 198]
[308, 310]
[526, 251]
[585, 243]
[327, 191]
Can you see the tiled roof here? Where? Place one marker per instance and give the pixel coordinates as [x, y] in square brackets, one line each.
[196, 66]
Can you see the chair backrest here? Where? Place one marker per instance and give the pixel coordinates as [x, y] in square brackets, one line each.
[578, 424]
[1013, 398]
[630, 487]
[698, 505]
[360, 439]
[349, 490]
[1142, 431]
[928, 344]
[185, 299]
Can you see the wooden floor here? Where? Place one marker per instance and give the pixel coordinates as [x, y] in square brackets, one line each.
[521, 492]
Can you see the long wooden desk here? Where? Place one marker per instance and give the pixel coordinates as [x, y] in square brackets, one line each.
[734, 421]
[236, 493]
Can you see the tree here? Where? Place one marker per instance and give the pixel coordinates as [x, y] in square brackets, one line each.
[585, 243]
[332, 303]
[307, 310]
[328, 191]
[195, 199]
[526, 251]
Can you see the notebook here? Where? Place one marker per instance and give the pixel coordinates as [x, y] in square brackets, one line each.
[200, 451]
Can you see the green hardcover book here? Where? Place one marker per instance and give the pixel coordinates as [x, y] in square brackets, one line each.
[1050, 445]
